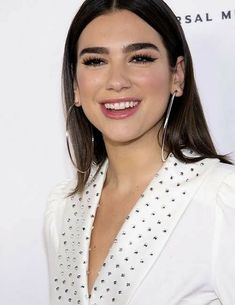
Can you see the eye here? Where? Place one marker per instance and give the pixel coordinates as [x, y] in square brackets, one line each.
[94, 61]
[142, 58]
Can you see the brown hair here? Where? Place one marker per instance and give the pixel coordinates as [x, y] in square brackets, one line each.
[187, 127]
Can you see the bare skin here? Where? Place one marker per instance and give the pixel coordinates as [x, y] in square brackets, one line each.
[124, 184]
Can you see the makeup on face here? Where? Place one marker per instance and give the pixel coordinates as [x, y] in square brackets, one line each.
[123, 76]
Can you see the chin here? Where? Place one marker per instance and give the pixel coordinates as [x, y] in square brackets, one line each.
[119, 139]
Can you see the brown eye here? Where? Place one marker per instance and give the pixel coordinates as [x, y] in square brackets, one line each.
[93, 62]
[142, 59]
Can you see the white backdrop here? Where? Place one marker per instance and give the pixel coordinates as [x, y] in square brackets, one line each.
[33, 155]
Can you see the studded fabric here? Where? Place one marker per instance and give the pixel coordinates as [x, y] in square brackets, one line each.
[137, 245]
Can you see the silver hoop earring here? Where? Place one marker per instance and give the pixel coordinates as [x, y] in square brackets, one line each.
[165, 124]
[71, 108]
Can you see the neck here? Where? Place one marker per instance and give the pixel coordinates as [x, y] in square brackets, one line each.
[132, 163]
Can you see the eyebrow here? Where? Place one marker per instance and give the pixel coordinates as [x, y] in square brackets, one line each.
[127, 49]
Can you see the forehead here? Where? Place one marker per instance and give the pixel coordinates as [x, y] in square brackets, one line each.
[118, 27]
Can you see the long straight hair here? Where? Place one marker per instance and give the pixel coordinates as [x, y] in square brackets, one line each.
[187, 127]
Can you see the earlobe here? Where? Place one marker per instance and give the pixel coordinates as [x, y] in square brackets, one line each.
[178, 77]
[77, 102]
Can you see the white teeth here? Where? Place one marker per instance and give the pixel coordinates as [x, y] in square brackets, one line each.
[120, 106]
[116, 106]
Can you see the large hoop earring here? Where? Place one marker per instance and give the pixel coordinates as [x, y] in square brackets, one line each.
[166, 123]
[71, 108]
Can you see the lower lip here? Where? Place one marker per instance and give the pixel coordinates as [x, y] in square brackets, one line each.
[119, 114]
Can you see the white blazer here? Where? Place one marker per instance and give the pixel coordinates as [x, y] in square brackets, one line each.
[176, 247]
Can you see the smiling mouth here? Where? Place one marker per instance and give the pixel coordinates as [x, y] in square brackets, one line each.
[121, 105]
[120, 108]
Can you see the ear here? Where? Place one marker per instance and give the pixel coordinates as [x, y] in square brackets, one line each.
[76, 95]
[178, 77]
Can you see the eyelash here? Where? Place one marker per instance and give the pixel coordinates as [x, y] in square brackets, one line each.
[93, 61]
[139, 59]
[143, 58]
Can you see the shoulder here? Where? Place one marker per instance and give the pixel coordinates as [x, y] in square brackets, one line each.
[224, 175]
[217, 190]
[53, 217]
[225, 169]
[222, 182]
[211, 169]
[226, 189]
[219, 179]
[212, 180]
[58, 196]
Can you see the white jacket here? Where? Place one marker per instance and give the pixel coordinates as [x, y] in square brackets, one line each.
[176, 247]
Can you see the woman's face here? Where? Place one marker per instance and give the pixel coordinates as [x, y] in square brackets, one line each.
[123, 77]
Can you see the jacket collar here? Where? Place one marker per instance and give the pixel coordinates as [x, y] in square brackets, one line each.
[141, 239]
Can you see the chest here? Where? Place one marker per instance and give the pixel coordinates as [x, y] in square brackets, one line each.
[109, 219]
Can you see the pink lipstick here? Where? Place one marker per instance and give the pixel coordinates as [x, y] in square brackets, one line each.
[120, 108]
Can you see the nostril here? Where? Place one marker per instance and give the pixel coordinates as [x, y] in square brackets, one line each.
[118, 85]
[118, 80]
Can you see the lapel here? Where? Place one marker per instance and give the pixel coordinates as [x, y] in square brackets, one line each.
[70, 278]
[147, 230]
[139, 242]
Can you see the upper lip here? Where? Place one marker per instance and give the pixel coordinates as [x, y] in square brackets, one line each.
[120, 100]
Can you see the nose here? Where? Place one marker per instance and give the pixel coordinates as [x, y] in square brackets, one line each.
[118, 78]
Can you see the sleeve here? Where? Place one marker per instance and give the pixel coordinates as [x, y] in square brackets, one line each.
[53, 220]
[224, 246]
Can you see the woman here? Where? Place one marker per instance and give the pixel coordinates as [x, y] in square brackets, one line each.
[150, 218]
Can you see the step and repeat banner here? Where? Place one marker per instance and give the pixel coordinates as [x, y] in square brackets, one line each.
[210, 30]
[33, 152]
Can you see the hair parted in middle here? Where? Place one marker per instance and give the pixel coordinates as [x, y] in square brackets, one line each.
[187, 127]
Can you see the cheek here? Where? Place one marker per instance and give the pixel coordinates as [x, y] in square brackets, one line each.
[88, 85]
[155, 80]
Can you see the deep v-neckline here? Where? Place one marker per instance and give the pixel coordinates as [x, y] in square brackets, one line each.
[158, 172]
[139, 242]
[118, 227]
